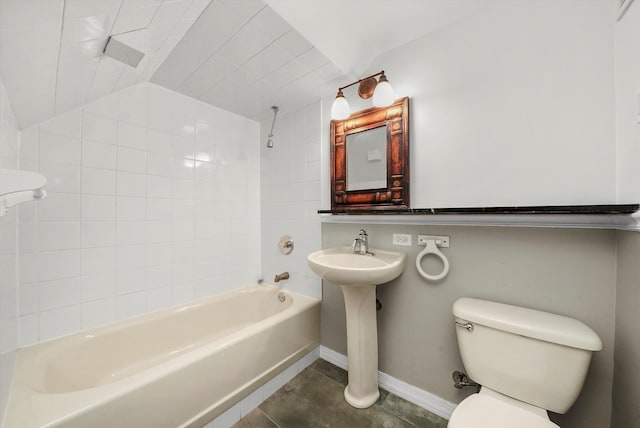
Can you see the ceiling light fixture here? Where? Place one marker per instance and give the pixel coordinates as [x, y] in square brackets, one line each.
[380, 89]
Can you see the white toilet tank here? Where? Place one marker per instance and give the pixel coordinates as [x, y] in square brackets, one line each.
[532, 356]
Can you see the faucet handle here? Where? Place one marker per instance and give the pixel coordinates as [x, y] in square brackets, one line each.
[363, 232]
[356, 243]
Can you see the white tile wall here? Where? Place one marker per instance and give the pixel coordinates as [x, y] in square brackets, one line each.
[9, 145]
[290, 191]
[154, 199]
[136, 219]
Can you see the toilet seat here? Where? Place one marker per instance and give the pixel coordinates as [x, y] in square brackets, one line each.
[483, 411]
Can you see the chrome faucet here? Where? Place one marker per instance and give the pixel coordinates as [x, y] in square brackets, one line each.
[361, 244]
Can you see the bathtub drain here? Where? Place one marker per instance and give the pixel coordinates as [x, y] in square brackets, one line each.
[282, 296]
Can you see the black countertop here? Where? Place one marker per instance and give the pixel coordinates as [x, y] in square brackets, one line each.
[608, 209]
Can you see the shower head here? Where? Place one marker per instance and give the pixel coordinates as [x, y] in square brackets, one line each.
[270, 136]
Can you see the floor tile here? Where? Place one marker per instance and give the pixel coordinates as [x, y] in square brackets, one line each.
[331, 371]
[312, 400]
[339, 375]
[256, 419]
[412, 413]
[315, 399]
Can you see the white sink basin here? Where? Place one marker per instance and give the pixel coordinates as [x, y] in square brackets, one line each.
[342, 266]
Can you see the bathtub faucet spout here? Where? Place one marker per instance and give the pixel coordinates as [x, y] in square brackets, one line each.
[281, 276]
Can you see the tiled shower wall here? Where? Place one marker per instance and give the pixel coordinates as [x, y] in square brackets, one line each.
[290, 192]
[153, 201]
[9, 140]
[9, 143]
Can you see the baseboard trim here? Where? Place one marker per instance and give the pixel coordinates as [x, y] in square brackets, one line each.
[415, 395]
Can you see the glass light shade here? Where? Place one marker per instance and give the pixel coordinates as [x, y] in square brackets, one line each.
[383, 96]
[340, 109]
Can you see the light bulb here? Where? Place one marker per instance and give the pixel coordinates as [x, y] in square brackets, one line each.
[340, 109]
[383, 96]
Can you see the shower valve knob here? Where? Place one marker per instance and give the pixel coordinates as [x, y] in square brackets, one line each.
[285, 245]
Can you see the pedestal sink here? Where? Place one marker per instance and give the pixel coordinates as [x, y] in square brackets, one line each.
[358, 276]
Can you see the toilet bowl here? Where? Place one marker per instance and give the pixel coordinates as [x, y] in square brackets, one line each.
[488, 409]
[527, 361]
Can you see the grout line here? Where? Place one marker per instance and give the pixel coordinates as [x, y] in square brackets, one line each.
[95, 71]
[151, 55]
[394, 415]
[324, 374]
[62, 27]
[240, 27]
[267, 416]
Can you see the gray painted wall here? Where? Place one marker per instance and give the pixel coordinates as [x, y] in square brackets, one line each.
[626, 381]
[566, 271]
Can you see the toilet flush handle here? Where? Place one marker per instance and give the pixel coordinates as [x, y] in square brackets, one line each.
[467, 325]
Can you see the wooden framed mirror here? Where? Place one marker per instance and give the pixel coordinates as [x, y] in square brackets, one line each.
[370, 159]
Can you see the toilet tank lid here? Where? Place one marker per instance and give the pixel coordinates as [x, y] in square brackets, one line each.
[528, 322]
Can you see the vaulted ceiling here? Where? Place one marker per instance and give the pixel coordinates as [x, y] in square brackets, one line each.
[51, 50]
[240, 55]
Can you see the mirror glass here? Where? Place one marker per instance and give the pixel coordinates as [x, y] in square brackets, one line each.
[367, 159]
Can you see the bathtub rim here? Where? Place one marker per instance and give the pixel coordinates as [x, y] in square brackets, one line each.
[159, 313]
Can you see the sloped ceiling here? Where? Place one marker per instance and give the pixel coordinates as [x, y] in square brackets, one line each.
[240, 55]
[246, 59]
[354, 32]
[51, 50]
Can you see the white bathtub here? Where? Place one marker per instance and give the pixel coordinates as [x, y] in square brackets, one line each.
[173, 368]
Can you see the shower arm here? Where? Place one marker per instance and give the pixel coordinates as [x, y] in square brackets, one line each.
[273, 123]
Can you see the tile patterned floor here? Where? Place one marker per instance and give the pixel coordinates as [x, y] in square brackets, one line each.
[314, 399]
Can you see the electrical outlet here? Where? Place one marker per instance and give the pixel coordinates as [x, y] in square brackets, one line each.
[402, 239]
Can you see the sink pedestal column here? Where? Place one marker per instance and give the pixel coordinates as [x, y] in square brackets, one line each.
[362, 345]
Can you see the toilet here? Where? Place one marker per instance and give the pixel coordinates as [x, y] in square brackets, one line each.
[526, 361]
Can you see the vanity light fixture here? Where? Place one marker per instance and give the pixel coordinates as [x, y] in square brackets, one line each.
[383, 95]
